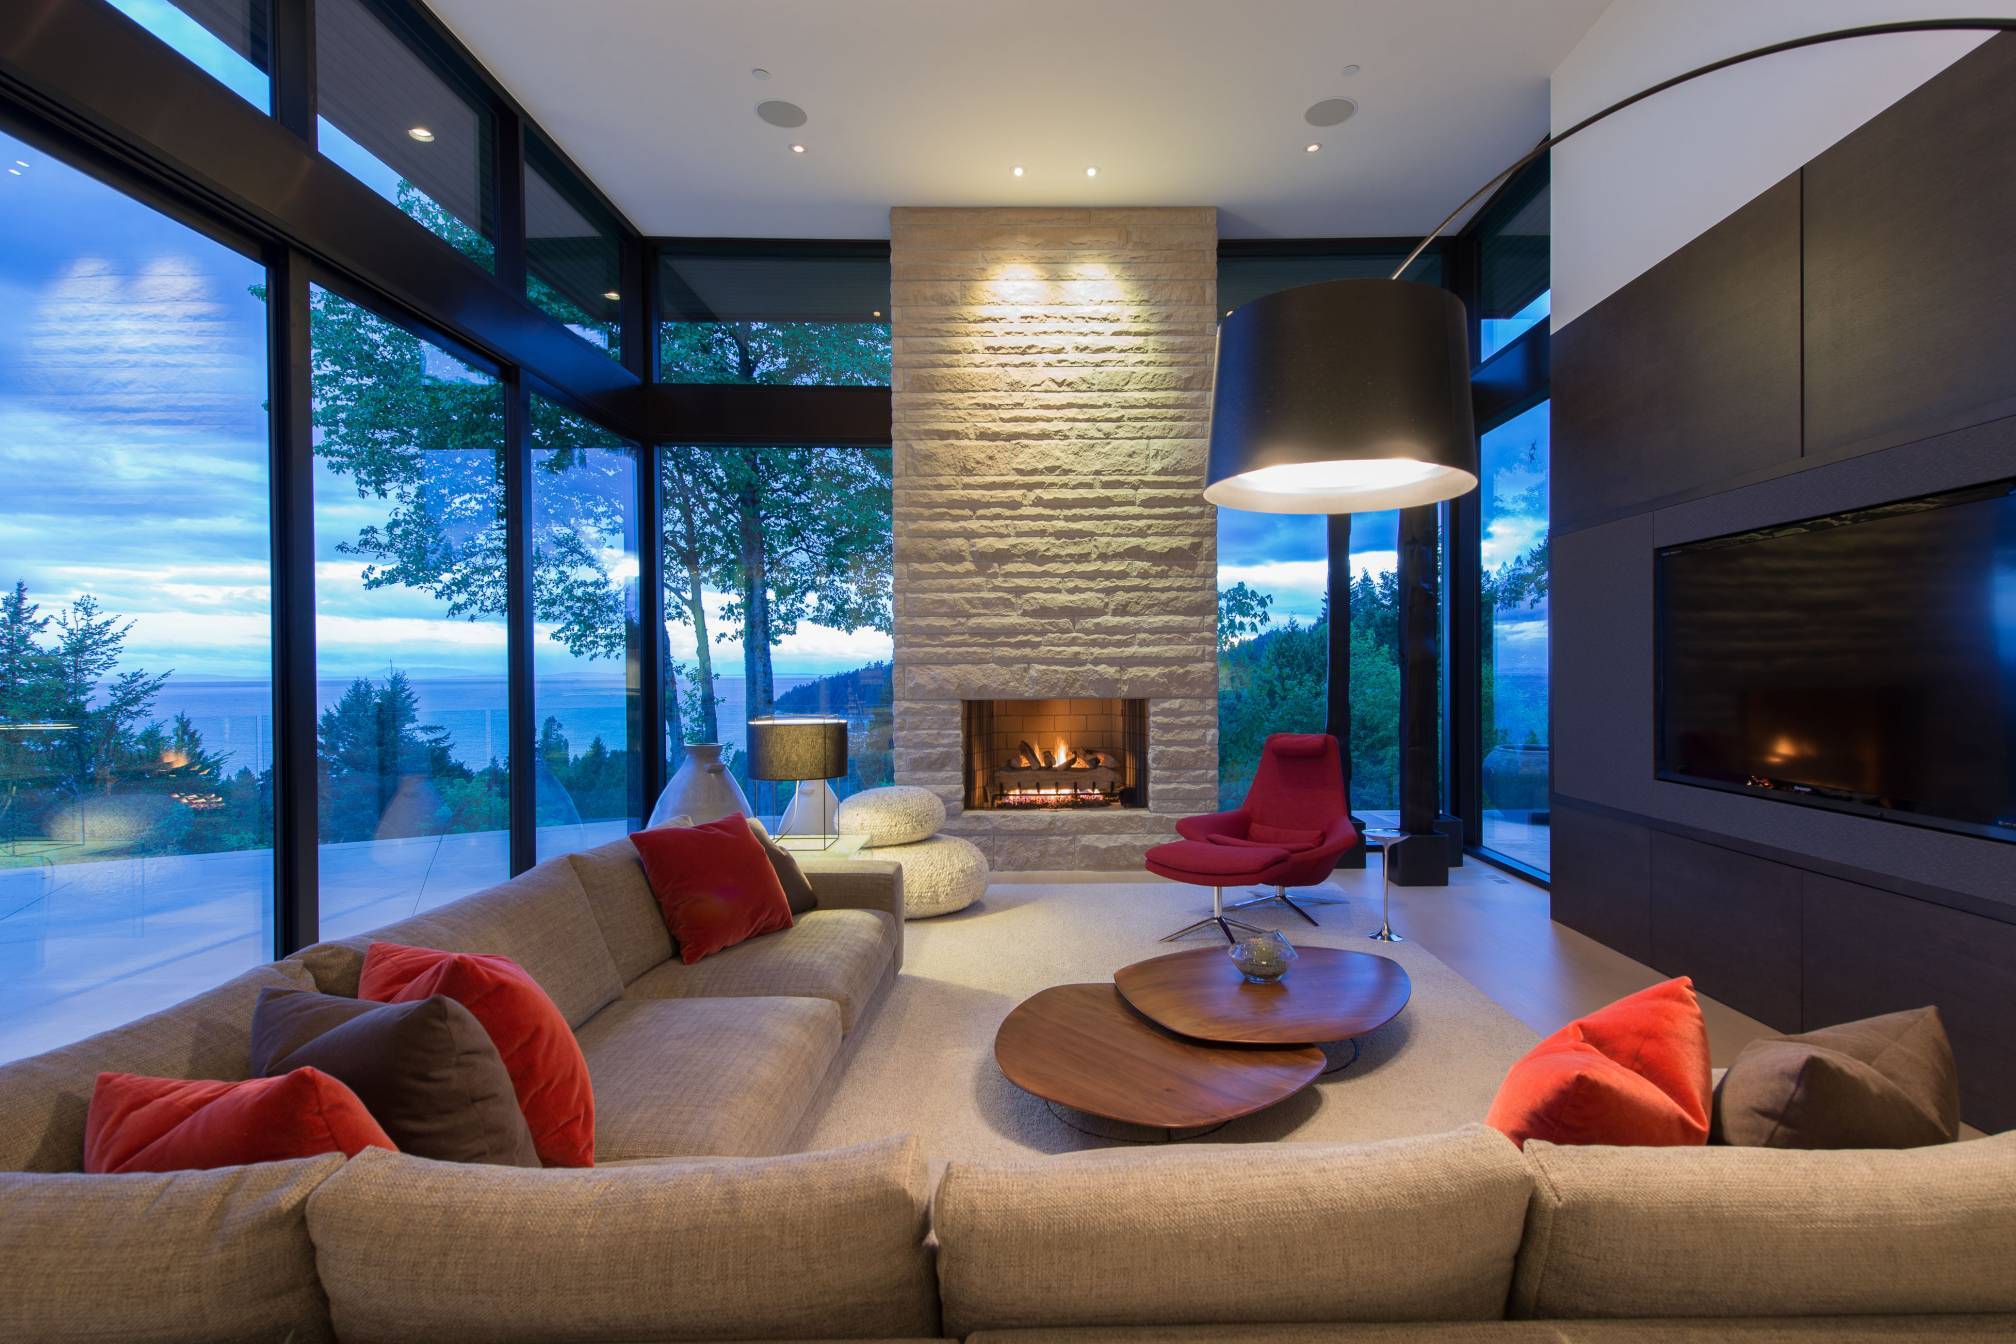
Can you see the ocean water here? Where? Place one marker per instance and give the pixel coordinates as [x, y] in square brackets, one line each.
[236, 717]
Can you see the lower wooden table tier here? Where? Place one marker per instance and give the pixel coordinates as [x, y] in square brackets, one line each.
[1081, 1046]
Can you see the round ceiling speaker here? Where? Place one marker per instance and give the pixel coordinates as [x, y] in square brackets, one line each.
[780, 113]
[1330, 112]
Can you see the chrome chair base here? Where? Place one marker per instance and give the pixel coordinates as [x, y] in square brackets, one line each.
[1217, 917]
[1262, 896]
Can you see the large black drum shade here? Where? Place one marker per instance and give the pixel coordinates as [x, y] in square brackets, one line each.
[1343, 397]
[807, 748]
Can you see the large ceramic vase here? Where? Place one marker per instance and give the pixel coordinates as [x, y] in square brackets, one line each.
[703, 788]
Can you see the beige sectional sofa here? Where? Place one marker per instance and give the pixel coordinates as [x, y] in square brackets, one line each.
[702, 1226]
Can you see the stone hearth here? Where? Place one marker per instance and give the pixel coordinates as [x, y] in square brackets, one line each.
[1051, 398]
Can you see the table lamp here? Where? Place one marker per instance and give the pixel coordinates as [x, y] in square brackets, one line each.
[809, 752]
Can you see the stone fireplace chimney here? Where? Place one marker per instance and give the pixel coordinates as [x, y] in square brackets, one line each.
[1052, 394]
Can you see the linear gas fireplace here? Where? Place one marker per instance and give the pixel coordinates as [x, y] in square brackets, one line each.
[1056, 754]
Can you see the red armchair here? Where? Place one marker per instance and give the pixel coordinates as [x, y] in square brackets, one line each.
[1296, 802]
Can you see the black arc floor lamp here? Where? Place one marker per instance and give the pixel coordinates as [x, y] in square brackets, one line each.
[1354, 395]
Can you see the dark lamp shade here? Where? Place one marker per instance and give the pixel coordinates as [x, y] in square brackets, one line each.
[797, 748]
[1343, 397]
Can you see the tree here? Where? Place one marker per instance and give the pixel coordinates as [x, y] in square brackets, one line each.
[1242, 614]
[372, 750]
[826, 354]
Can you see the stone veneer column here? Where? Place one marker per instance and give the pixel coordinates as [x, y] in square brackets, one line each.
[1052, 396]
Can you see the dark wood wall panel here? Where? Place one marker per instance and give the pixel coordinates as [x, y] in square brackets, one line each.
[1732, 922]
[1687, 376]
[1910, 239]
[1601, 881]
[1868, 952]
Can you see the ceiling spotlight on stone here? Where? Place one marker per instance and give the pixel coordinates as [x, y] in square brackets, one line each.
[780, 113]
[1330, 112]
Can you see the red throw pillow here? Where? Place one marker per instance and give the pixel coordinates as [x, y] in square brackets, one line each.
[547, 1069]
[1288, 837]
[714, 883]
[1634, 1073]
[179, 1124]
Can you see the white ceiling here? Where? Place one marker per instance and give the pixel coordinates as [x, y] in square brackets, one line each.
[931, 102]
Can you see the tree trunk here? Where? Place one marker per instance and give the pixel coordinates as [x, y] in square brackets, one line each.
[757, 684]
[687, 552]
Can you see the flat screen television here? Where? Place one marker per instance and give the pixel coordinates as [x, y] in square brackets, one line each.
[1862, 661]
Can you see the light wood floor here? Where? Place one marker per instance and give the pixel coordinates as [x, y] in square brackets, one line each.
[1493, 929]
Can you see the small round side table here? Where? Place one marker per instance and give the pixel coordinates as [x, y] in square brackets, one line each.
[1389, 838]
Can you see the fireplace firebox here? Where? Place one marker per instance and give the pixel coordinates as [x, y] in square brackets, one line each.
[1052, 754]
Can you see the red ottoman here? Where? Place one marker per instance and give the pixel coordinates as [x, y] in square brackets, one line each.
[1216, 867]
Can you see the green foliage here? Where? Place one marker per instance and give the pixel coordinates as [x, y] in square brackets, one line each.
[83, 761]
[851, 354]
[1242, 614]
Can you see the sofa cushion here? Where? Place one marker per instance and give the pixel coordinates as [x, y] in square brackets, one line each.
[814, 1245]
[612, 879]
[194, 1256]
[548, 1074]
[193, 1124]
[1695, 1330]
[1412, 1229]
[1883, 1082]
[540, 919]
[1632, 1072]
[839, 955]
[427, 1071]
[706, 1077]
[43, 1099]
[1769, 1232]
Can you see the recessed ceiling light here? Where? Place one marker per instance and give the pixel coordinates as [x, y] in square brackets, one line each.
[1311, 147]
[760, 73]
[780, 113]
[876, 313]
[1350, 69]
[611, 295]
[1330, 112]
[21, 163]
[422, 134]
[15, 171]
[1017, 170]
[1091, 172]
[797, 149]
[1228, 312]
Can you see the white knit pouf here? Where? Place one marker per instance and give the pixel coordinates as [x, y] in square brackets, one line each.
[939, 875]
[896, 814]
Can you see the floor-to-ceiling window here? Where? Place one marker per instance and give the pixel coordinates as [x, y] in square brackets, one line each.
[136, 750]
[584, 657]
[1512, 501]
[1508, 769]
[413, 753]
[1375, 662]
[1273, 637]
[573, 257]
[778, 566]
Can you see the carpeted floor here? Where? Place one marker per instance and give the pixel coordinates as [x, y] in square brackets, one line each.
[925, 1064]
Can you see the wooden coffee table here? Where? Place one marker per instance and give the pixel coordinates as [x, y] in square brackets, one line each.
[1081, 1046]
[1328, 995]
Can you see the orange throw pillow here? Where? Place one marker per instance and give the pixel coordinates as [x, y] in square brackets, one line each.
[548, 1072]
[714, 884]
[179, 1124]
[1632, 1074]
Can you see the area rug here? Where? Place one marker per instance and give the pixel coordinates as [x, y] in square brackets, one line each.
[925, 1062]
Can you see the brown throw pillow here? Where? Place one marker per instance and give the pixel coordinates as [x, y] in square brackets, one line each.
[427, 1070]
[797, 887]
[1883, 1082]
